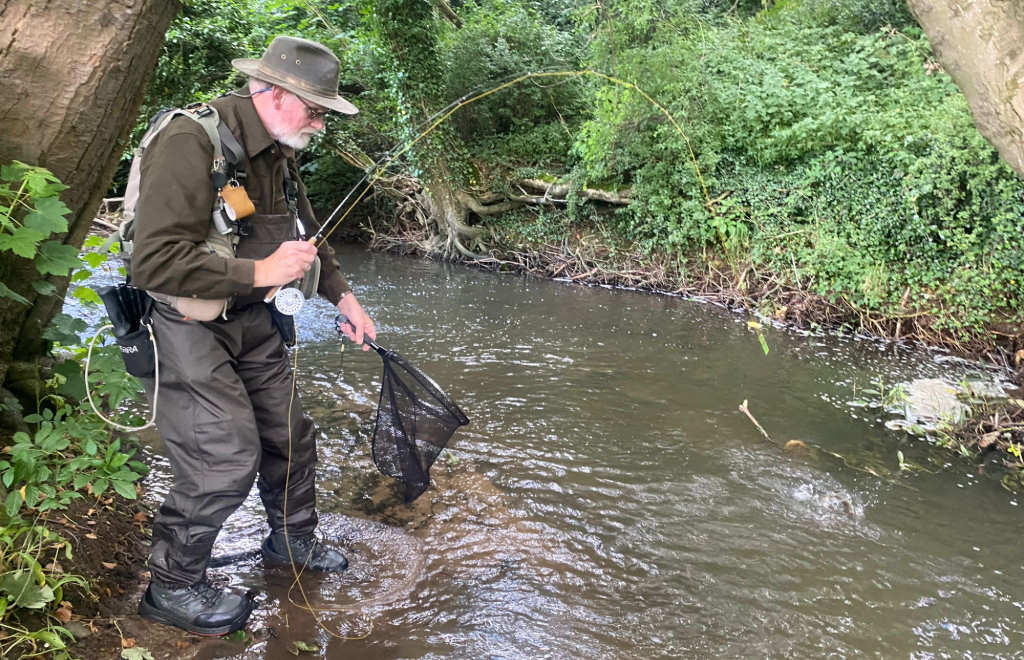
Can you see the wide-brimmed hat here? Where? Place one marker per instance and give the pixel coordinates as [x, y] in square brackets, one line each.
[303, 67]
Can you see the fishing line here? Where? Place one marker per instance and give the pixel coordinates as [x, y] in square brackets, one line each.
[432, 122]
[367, 181]
[297, 572]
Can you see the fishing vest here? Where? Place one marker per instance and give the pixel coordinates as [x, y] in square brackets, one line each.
[227, 226]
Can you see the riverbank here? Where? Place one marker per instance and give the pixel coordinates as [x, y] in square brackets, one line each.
[992, 432]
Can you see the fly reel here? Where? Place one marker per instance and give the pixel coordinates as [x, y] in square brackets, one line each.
[289, 300]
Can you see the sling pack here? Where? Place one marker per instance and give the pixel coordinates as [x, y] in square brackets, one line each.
[231, 203]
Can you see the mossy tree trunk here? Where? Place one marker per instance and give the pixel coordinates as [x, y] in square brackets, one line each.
[980, 44]
[408, 31]
[73, 74]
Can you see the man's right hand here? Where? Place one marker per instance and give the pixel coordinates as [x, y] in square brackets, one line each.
[287, 264]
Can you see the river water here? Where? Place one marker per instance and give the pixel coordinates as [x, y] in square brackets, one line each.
[610, 500]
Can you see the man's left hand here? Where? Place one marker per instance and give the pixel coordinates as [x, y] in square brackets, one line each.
[359, 324]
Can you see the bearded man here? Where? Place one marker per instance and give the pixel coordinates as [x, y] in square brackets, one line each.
[225, 408]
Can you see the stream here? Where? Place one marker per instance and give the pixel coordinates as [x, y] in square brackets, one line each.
[609, 499]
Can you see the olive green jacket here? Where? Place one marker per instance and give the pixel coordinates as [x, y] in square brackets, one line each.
[176, 200]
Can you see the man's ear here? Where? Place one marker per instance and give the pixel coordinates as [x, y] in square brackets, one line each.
[278, 95]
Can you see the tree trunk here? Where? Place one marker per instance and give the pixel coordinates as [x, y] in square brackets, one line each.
[981, 45]
[73, 74]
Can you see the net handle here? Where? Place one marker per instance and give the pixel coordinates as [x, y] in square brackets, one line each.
[341, 319]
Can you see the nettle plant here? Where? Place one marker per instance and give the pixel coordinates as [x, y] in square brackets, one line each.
[31, 215]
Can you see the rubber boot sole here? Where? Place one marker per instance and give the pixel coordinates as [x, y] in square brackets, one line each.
[151, 612]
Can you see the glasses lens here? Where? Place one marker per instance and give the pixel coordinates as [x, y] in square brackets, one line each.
[312, 112]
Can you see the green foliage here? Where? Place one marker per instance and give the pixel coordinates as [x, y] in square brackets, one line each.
[70, 452]
[31, 214]
[31, 580]
[854, 15]
[195, 61]
[830, 149]
[500, 40]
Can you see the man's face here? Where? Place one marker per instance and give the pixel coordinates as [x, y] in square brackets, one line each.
[296, 120]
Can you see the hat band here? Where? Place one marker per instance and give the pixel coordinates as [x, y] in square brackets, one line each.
[271, 76]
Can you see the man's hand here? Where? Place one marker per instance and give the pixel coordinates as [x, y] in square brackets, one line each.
[359, 324]
[288, 263]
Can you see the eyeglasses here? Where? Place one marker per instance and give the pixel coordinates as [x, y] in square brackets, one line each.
[312, 112]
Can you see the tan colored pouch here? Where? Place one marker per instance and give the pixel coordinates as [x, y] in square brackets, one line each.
[237, 198]
[193, 309]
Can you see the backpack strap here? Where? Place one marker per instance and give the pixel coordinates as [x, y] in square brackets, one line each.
[225, 166]
[207, 117]
[233, 152]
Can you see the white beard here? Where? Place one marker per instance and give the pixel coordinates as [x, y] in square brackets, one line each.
[297, 141]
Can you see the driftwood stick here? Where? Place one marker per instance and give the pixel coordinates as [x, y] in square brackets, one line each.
[746, 411]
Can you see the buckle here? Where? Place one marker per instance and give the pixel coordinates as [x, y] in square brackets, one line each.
[199, 109]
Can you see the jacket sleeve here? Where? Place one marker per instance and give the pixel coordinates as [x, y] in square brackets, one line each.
[173, 219]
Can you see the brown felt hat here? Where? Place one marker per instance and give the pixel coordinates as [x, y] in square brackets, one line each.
[303, 67]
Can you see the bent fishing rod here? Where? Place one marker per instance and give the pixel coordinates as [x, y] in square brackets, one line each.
[380, 166]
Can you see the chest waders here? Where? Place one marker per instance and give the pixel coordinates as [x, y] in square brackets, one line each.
[228, 414]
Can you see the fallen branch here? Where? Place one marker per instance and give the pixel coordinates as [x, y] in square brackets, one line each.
[103, 223]
[562, 189]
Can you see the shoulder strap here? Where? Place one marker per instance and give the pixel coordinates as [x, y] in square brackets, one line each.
[227, 155]
[207, 117]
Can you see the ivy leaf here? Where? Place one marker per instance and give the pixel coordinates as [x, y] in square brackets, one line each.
[74, 385]
[41, 182]
[22, 241]
[55, 258]
[5, 292]
[48, 216]
[65, 329]
[136, 653]
[94, 259]
[13, 171]
[80, 275]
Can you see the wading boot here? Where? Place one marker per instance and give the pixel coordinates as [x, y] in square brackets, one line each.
[306, 551]
[200, 608]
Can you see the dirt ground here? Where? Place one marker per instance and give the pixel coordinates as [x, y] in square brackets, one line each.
[110, 541]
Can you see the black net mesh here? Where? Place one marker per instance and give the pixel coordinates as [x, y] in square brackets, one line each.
[415, 420]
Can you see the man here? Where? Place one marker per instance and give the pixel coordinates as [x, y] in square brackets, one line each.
[225, 387]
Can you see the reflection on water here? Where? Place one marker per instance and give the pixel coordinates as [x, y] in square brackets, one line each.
[609, 500]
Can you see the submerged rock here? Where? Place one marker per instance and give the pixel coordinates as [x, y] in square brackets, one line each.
[929, 404]
[933, 400]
